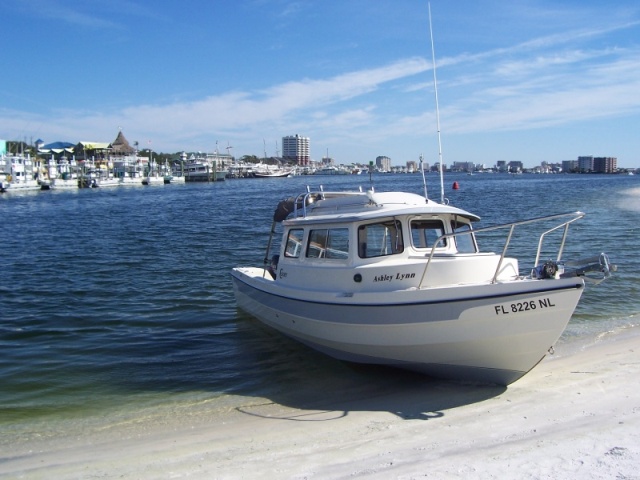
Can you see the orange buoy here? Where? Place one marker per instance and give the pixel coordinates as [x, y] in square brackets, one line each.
[456, 186]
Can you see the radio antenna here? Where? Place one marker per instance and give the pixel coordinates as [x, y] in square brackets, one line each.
[435, 88]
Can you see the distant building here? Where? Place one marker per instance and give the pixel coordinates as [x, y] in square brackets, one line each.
[383, 164]
[605, 164]
[463, 166]
[585, 164]
[569, 166]
[412, 166]
[436, 167]
[296, 149]
[515, 166]
[501, 165]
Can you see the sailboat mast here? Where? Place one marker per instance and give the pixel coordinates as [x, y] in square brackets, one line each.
[435, 88]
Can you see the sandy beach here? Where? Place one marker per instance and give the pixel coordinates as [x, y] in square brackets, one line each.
[576, 415]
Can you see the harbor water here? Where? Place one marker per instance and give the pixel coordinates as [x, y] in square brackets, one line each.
[116, 304]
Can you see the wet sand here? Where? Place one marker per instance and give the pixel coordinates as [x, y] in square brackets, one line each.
[576, 415]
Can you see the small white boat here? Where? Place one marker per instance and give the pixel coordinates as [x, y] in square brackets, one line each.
[108, 181]
[130, 178]
[398, 279]
[262, 170]
[17, 174]
[153, 179]
[174, 179]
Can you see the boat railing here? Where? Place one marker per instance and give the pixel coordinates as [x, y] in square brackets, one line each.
[574, 216]
[303, 200]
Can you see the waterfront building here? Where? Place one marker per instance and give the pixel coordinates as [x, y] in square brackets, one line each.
[383, 164]
[463, 166]
[569, 166]
[585, 163]
[605, 164]
[295, 149]
[516, 166]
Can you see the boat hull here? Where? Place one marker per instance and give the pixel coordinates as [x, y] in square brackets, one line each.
[493, 333]
[23, 186]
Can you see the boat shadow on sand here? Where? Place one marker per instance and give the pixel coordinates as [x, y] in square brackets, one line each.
[312, 387]
[408, 396]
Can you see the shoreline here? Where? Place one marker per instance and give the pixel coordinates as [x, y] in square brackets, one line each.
[577, 414]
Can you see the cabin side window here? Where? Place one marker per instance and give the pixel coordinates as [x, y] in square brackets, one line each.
[330, 243]
[465, 242]
[424, 233]
[294, 243]
[379, 239]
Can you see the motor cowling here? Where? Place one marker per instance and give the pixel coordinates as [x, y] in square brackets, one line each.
[546, 270]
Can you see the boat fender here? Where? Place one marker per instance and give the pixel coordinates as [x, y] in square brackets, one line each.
[547, 270]
[273, 267]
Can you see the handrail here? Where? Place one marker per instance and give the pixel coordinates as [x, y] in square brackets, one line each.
[577, 215]
[305, 199]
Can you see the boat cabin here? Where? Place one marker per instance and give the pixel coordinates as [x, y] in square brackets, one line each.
[364, 241]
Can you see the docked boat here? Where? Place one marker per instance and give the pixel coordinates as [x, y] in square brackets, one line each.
[210, 167]
[153, 179]
[262, 170]
[63, 173]
[398, 279]
[170, 178]
[108, 181]
[17, 174]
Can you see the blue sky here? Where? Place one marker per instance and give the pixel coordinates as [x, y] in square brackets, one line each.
[528, 80]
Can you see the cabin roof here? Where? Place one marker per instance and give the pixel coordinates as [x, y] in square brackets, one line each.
[352, 206]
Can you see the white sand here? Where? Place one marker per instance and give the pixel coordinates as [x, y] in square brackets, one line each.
[576, 415]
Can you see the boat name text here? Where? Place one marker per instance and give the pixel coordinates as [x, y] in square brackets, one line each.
[523, 306]
[390, 278]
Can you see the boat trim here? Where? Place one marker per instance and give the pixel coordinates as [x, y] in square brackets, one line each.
[533, 291]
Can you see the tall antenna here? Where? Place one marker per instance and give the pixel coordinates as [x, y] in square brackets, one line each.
[435, 88]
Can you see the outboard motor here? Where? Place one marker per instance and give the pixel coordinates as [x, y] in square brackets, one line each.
[594, 269]
[548, 269]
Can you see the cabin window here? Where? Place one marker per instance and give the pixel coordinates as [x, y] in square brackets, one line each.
[379, 239]
[424, 233]
[294, 243]
[465, 243]
[331, 243]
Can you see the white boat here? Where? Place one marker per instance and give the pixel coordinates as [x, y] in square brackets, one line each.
[108, 181]
[170, 178]
[153, 179]
[263, 170]
[204, 168]
[17, 174]
[63, 173]
[330, 170]
[398, 279]
[131, 179]
[128, 170]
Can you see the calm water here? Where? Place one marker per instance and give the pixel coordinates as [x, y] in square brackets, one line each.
[117, 303]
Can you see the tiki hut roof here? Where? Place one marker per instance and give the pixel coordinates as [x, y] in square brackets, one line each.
[120, 146]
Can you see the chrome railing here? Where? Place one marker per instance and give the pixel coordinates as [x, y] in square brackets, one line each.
[511, 226]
